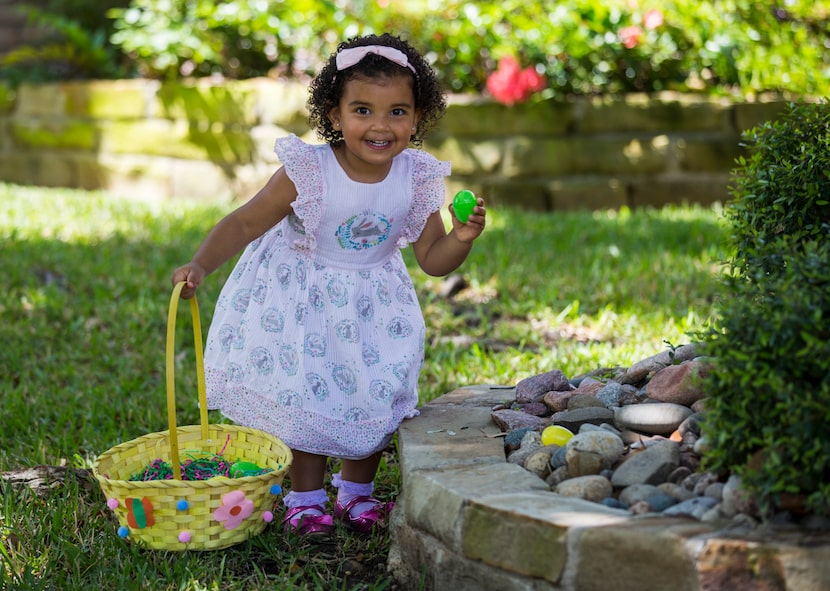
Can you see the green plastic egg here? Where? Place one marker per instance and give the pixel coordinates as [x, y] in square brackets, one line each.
[463, 204]
[240, 469]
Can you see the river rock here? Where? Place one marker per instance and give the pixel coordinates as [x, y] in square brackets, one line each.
[691, 424]
[537, 409]
[508, 420]
[558, 459]
[533, 388]
[650, 466]
[590, 488]
[677, 491]
[591, 452]
[573, 419]
[736, 499]
[558, 401]
[695, 507]
[584, 401]
[640, 370]
[538, 462]
[660, 501]
[513, 439]
[610, 395]
[590, 387]
[659, 418]
[680, 384]
[637, 492]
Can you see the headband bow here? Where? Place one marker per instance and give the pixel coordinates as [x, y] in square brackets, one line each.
[349, 57]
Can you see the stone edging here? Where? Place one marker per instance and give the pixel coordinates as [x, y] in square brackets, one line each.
[466, 519]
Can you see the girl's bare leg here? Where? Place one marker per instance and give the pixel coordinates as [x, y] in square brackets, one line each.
[362, 471]
[307, 471]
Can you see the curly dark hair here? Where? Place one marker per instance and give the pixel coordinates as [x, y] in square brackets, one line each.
[327, 87]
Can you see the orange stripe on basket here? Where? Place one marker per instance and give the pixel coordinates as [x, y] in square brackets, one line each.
[140, 513]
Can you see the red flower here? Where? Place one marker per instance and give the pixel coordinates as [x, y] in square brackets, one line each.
[510, 84]
[630, 36]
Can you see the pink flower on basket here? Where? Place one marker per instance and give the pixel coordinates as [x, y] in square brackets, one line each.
[234, 510]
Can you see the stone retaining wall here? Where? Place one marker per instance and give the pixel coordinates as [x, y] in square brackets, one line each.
[466, 520]
[214, 141]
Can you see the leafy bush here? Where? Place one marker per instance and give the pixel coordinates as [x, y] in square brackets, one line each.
[74, 44]
[769, 411]
[578, 46]
[784, 188]
[768, 414]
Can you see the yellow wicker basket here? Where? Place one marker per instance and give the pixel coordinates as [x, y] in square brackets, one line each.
[192, 514]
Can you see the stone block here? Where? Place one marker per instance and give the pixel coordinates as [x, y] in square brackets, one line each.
[678, 189]
[713, 154]
[200, 180]
[231, 103]
[92, 176]
[19, 167]
[521, 194]
[537, 525]
[137, 175]
[7, 98]
[419, 561]
[117, 99]
[177, 139]
[749, 115]
[61, 134]
[480, 118]
[741, 563]
[440, 438]
[282, 104]
[584, 155]
[248, 179]
[5, 137]
[643, 114]
[587, 193]
[57, 169]
[616, 553]
[262, 140]
[40, 100]
[469, 157]
[433, 502]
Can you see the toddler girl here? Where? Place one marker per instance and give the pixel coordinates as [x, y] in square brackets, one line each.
[317, 336]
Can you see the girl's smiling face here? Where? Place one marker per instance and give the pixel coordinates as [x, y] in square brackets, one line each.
[377, 117]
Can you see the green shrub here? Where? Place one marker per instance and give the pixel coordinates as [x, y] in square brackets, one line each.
[74, 44]
[768, 414]
[783, 189]
[581, 46]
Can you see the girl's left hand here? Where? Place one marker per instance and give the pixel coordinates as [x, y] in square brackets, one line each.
[475, 223]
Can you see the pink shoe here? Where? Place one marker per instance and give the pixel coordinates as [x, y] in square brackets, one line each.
[366, 521]
[308, 524]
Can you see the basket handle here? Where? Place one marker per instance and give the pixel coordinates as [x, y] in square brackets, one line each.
[200, 375]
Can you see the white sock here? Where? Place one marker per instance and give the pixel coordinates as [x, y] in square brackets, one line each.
[306, 498]
[348, 490]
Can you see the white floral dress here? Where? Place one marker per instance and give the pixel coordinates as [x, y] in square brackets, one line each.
[317, 336]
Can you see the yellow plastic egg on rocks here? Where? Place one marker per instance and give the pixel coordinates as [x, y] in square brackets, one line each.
[556, 435]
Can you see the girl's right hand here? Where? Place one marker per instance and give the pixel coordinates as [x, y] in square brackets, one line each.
[192, 274]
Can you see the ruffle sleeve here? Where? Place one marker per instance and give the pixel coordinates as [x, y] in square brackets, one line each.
[428, 193]
[303, 165]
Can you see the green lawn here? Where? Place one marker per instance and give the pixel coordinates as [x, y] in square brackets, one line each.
[85, 288]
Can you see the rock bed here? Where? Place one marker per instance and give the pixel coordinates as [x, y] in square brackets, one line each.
[637, 442]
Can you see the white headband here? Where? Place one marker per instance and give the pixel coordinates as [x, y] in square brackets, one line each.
[349, 57]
